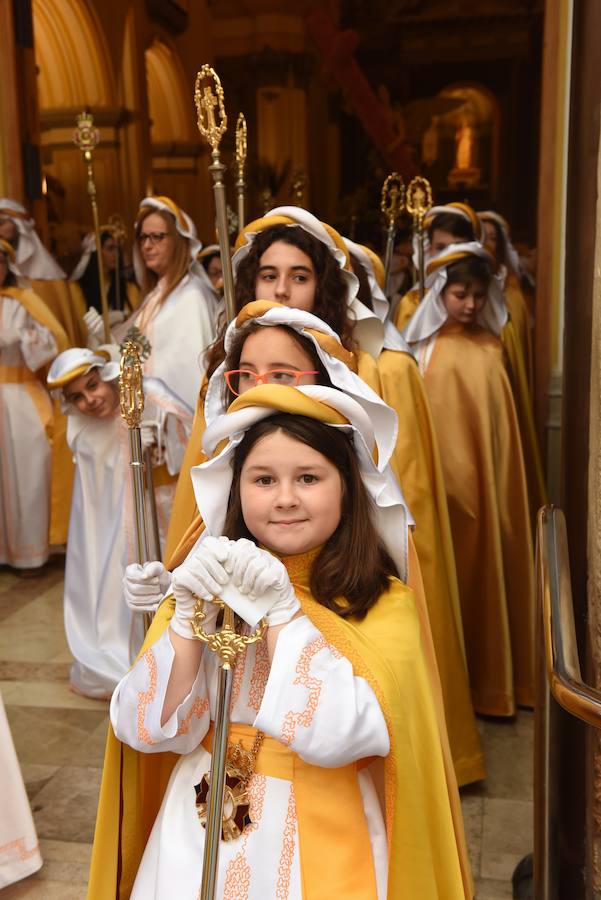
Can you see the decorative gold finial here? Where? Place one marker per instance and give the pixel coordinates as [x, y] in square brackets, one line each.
[116, 226]
[210, 106]
[131, 393]
[419, 199]
[241, 143]
[85, 135]
[393, 197]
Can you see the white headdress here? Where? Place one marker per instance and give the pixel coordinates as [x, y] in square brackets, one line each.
[336, 361]
[368, 330]
[212, 480]
[33, 260]
[184, 225]
[431, 313]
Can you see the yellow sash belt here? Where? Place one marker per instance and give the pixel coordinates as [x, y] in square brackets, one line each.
[334, 846]
[16, 375]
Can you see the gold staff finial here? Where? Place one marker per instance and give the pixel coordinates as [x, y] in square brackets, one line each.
[131, 393]
[241, 151]
[212, 124]
[86, 137]
[116, 226]
[392, 203]
[419, 201]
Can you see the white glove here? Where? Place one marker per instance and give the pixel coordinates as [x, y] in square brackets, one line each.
[262, 579]
[148, 436]
[201, 576]
[145, 586]
[9, 337]
[94, 323]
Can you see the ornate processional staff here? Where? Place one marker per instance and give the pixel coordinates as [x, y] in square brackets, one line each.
[241, 150]
[86, 137]
[131, 402]
[119, 232]
[222, 793]
[212, 124]
[419, 201]
[391, 204]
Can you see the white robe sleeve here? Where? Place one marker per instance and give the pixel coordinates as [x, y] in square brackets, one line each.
[315, 704]
[38, 345]
[137, 704]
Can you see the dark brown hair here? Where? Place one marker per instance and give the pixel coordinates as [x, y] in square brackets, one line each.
[180, 262]
[364, 292]
[501, 247]
[467, 271]
[456, 225]
[352, 569]
[232, 359]
[330, 294]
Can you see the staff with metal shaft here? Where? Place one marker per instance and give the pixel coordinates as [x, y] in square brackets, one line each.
[241, 151]
[212, 123]
[131, 401]
[391, 204]
[119, 232]
[419, 201]
[86, 137]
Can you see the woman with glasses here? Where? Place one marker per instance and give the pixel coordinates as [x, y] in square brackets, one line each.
[175, 318]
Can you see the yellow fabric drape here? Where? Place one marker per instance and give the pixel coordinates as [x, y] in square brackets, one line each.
[63, 301]
[427, 853]
[537, 492]
[417, 467]
[62, 469]
[406, 307]
[476, 422]
[520, 316]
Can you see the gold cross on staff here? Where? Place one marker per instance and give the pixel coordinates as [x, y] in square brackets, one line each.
[209, 102]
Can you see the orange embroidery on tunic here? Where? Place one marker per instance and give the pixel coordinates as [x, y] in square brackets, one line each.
[292, 720]
[282, 890]
[198, 708]
[146, 697]
[238, 874]
[260, 674]
[20, 846]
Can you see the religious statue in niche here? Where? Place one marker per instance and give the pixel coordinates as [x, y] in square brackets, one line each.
[465, 171]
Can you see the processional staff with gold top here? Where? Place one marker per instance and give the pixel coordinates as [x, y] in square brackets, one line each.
[241, 151]
[226, 643]
[391, 204]
[117, 228]
[419, 201]
[86, 137]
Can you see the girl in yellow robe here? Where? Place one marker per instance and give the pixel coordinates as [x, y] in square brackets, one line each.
[455, 334]
[310, 800]
[290, 257]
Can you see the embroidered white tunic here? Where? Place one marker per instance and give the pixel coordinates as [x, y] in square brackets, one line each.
[310, 700]
[25, 414]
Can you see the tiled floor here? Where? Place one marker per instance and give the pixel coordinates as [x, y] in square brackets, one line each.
[60, 739]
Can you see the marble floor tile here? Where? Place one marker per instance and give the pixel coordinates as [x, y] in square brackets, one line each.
[65, 809]
[34, 671]
[35, 888]
[507, 836]
[57, 736]
[36, 775]
[50, 695]
[488, 889]
[35, 632]
[66, 851]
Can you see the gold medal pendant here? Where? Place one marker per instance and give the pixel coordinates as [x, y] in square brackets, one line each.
[239, 768]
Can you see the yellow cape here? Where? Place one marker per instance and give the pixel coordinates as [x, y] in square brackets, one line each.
[475, 418]
[416, 464]
[520, 316]
[62, 460]
[427, 852]
[406, 307]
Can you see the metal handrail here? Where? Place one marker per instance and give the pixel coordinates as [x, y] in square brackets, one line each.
[555, 599]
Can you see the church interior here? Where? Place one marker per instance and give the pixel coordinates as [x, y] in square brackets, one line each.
[497, 105]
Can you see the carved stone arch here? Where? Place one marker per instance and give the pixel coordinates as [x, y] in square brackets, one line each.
[74, 64]
[170, 101]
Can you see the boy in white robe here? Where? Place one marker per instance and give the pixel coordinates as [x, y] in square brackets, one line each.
[103, 635]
